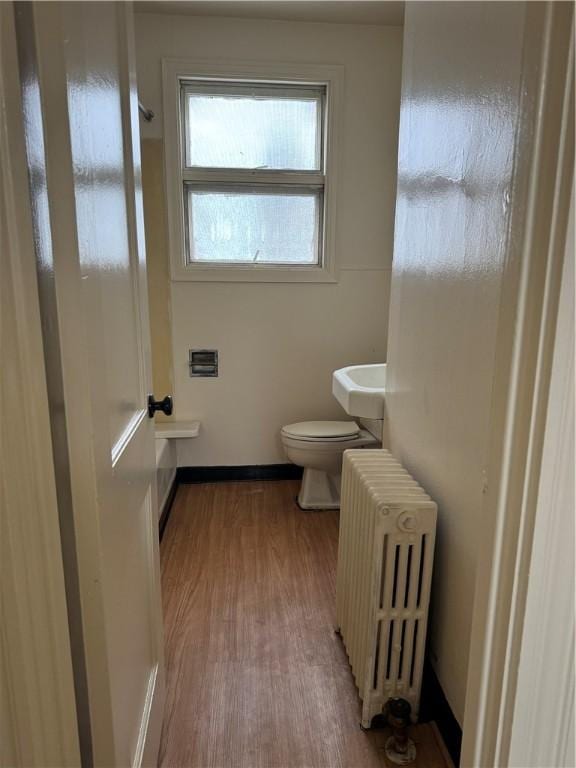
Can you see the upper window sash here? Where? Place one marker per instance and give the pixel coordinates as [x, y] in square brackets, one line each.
[253, 89]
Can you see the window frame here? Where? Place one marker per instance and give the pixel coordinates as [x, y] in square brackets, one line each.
[255, 75]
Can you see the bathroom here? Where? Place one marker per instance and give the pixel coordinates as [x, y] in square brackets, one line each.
[332, 217]
[279, 341]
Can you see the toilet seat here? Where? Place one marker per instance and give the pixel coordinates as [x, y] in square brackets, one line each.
[335, 446]
[322, 431]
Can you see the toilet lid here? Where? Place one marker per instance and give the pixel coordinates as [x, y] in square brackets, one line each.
[322, 430]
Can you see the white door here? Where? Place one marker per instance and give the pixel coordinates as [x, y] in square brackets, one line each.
[81, 117]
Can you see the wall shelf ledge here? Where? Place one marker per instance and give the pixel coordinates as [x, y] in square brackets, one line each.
[178, 429]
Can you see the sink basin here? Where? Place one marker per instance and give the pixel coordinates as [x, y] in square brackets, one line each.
[360, 390]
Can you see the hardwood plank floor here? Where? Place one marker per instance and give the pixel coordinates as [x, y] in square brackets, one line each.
[256, 677]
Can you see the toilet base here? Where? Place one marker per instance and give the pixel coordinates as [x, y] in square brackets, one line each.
[319, 490]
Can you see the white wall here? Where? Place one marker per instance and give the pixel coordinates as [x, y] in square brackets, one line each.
[460, 90]
[279, 343]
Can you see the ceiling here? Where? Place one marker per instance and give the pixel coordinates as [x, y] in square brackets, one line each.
[336, 11]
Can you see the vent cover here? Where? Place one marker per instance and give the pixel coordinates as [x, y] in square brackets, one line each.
[203, 362]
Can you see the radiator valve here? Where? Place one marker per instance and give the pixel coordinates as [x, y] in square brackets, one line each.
[399, 748]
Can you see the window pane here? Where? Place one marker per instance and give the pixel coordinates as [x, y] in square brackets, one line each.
[249, 132]
[253, 227]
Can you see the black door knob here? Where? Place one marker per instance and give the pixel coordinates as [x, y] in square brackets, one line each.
[164, 405]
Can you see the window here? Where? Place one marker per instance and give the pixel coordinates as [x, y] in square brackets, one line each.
[250, 194]
[253, 173]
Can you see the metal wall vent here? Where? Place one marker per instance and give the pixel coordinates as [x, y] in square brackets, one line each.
[203, 362]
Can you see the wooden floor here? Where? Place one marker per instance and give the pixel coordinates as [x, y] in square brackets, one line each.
[255, 674]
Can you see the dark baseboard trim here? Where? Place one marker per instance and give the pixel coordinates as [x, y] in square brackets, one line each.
[168, 506]
[238, 474]
[434, 706]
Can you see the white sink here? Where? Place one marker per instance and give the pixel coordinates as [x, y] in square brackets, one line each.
[360, 390]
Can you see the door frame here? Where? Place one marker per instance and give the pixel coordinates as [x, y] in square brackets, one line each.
[526, 341]
[543, 726]
[38, 709]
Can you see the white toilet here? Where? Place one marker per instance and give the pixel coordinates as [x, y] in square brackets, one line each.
[318, 446]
